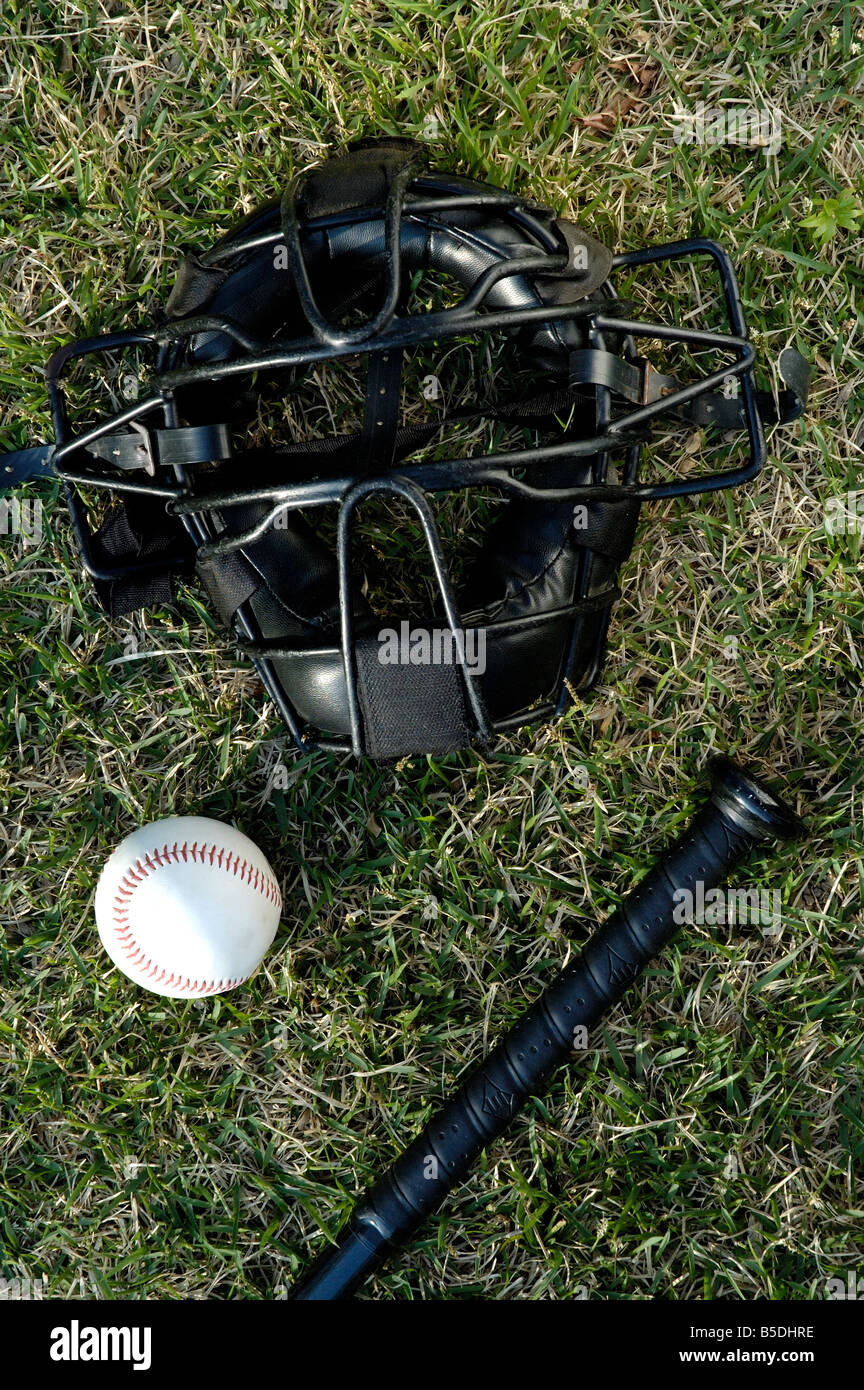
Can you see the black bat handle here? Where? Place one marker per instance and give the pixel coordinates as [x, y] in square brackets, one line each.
[741, 813]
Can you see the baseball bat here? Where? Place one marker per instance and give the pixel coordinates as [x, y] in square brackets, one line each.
[740, 813]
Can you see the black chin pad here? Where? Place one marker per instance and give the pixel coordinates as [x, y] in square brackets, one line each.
[409, 709]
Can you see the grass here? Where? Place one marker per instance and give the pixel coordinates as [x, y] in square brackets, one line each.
[710, 1143]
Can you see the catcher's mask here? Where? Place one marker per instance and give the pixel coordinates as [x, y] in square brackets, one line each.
[333, 273]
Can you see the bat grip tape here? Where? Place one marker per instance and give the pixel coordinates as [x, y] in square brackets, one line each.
[545, 1037]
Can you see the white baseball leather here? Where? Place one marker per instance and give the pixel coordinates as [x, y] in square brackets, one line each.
[187, 906]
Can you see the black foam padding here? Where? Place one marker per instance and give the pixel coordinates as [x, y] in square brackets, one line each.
[138, 527]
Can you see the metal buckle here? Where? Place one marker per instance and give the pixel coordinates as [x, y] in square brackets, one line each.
[655, 384]
[146, 447]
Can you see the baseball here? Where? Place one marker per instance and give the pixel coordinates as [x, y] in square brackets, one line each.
[187, 907]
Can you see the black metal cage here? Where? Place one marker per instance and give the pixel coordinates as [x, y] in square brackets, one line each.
[147, 449]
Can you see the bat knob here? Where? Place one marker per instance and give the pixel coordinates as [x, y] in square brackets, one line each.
[751, 804]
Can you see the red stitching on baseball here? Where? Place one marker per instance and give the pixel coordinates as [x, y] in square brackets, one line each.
[131, 880]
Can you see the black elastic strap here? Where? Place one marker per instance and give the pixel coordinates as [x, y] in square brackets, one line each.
[640, 384]
[596, 367]
[23, 464]
[330, 454]
[728, 413]
[377, 442]
[185, 445]
[133, 449]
